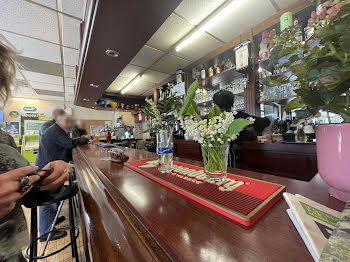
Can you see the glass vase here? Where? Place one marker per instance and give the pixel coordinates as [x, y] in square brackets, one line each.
[215, 160]
[165, 151]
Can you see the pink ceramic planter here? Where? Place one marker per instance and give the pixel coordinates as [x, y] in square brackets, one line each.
[333, 158]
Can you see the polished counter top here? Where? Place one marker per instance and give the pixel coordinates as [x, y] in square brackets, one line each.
[128, 217]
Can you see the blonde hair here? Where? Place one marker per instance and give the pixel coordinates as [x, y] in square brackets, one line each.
[7, 71]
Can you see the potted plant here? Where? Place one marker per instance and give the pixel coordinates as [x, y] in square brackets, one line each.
[213, 133]
[321, 67]
[162, 118]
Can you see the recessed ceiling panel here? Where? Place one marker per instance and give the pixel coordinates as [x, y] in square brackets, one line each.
[29, 19]
[69, 81]
[173, 29]
[48, 3]
[71, 32]
[169, 64]
[69, 89]
[148, 93]
[29, 47]
[194, 11]
[70, 56]
[130, 71]
[74, 8]
[146, 56]
[43, 78]
[52, 98]
[284, 3]
[69, 97]
[200, 47]
[153, 76]
[243, 17]
[45, 86]
[118, 84]
[140, 88]
[69, 71]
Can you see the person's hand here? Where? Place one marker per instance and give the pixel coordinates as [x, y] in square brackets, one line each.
[10, 187]
[91, 141]
[51, 180]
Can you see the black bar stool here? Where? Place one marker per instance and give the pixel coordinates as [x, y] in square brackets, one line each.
[68, 192]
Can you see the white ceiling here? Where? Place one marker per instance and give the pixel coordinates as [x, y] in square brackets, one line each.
[159, 55]
[32, 28]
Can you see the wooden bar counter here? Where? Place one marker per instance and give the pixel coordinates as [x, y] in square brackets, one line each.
[127, 217]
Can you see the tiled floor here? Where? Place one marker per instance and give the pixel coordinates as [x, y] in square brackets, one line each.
[65, 255]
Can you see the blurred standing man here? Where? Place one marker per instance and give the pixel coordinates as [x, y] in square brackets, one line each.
[55, 113]
[55, 143]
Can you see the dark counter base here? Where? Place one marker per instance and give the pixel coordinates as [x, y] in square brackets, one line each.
[297, 161]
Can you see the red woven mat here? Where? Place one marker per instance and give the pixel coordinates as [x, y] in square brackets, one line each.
[240, 198]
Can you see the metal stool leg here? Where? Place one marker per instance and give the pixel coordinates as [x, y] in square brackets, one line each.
[52, 226]
[72, 231]
[33, 234]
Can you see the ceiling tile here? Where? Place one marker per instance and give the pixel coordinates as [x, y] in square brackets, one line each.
[118, 84]
[69, 71]
[51, 98]
[148, 93]
[284, 3]
[29, 19]
[48, 3]
[29, 47]
[146, 56]
[43, 78]
[170, 32]
[245, 16]
[71, 32]
[169, 64]
[69, 81]
[44, 86]
[153, 76]
[200, 47]
[140, 88]
[74, 8]
[194, 11]
[69, 97]
[130, 71]
[70, 56]
[69, 89]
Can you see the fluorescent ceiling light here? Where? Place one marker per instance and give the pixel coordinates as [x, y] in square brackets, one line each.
[131, 84]
[25, 99]
[211, 22]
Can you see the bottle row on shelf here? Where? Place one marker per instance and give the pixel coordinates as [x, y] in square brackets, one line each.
[277, 92]
[237, 86]
[205, 70]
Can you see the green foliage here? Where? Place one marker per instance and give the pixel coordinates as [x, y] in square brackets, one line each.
[323, 72]
[215, 111]
[187, 107]
[237, 126]
[162, 114]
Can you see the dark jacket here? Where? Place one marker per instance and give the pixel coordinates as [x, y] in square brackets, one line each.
[77, 132]
[45, 126]
[55, 144]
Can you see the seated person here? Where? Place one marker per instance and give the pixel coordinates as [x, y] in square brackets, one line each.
[224, 100]
[79, 129]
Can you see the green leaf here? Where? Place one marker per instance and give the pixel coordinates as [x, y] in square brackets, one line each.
[237, 126]
[191, 92]
[294, 104]
[215, 111]
[312, 75]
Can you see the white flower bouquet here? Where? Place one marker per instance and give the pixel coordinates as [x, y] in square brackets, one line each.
[214, 133]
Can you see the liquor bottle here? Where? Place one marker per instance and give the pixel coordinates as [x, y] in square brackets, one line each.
[218, 66]
[203, 75]
[263, 50]
[210, 71]
[298, 31]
